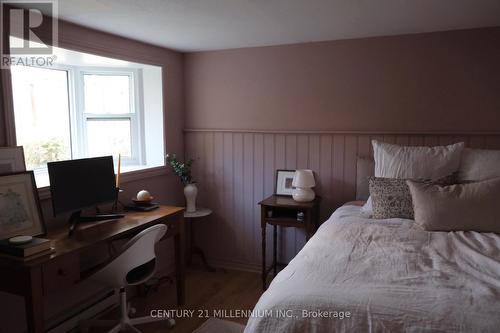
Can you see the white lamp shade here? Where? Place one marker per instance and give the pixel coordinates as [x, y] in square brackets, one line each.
[303, 179]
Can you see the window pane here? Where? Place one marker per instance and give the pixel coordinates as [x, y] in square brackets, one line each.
[109, 137]
[41, 114]
[107, 94]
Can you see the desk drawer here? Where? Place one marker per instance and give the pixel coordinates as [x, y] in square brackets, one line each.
[60, 273]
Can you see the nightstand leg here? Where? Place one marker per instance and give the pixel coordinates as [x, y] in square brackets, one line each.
[275, 249]
[264, 256]
[263, 227]
[308, 227]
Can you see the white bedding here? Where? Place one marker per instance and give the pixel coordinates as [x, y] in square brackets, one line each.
[390, 276]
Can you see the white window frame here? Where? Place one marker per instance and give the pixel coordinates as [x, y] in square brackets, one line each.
[78, 117]
[135, 116]
[71, 103]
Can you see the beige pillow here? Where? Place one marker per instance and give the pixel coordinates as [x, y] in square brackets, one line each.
[461, 207]
[479, 164]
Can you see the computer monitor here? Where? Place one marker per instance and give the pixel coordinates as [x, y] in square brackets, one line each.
[82, 183]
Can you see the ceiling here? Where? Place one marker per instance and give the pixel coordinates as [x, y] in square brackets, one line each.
[198, 25]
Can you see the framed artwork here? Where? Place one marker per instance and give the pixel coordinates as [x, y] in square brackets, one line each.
[20, 212]
[284, 179]
[12, 160]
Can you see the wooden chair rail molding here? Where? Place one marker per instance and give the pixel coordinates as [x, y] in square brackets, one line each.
[358, 132]
[235, 169]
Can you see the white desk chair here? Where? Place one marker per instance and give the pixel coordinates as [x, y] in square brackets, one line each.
[134, 264]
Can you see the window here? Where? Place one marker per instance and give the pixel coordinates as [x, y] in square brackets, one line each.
[110, 122]
[41, 106]
[88, 106]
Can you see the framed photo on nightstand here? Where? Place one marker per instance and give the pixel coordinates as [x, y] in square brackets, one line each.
[284, 179]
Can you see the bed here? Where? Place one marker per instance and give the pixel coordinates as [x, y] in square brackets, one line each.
[364, 275]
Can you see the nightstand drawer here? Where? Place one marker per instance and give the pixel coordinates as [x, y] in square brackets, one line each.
[285, 222]
[60, 273]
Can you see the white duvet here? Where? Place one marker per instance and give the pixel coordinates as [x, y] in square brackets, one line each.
[385, 276]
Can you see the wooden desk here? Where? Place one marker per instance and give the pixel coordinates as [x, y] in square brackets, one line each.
[39, 277]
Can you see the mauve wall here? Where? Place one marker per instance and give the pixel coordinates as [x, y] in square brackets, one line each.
[161, 182]
[433, 81]
[317, 105]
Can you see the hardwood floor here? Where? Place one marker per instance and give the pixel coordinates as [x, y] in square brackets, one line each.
[205, 293]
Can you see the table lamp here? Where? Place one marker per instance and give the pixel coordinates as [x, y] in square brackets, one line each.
[303, 181]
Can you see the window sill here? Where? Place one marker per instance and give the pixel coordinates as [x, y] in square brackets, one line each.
[125, 177]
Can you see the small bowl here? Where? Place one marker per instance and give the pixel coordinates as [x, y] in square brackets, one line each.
[142, 202]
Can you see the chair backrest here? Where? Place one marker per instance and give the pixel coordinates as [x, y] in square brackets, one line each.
[138, 251]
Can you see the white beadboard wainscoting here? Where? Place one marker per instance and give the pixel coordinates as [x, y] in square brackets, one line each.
[234, 170]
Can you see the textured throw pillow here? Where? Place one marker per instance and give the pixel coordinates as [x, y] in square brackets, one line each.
[461, 207]
[479, 164]
[391, 197]
[395, 161]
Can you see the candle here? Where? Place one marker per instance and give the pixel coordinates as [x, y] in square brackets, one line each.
[118, 174]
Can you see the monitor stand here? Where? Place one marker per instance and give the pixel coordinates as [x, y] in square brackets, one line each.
[76, 218]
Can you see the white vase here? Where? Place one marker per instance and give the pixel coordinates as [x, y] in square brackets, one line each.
[190, 192]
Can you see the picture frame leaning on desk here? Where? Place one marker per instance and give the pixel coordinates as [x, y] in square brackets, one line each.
[20, 210]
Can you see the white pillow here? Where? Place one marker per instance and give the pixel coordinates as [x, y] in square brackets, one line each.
[408, 162]
[394, 161]
[367, 208]
[479, 164]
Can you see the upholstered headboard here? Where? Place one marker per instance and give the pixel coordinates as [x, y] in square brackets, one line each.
[365, 168]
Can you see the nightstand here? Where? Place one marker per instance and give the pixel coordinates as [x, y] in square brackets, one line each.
[284, 211]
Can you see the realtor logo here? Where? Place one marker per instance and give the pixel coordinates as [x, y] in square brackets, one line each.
[33, 31]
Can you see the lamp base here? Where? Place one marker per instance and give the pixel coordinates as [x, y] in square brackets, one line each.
[301, 194]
